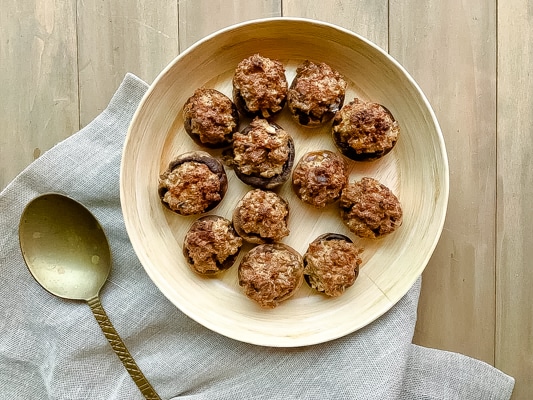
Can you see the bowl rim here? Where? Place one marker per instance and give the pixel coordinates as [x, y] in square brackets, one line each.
[444, 188]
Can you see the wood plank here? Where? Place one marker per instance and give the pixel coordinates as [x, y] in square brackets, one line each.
[122, 36]
[368, 18]
[450, 49]
[514, 294]
[193, 24]
[38, 77]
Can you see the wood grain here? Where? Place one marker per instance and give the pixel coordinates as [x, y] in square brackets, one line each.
[514, 275]
[117, 37]
[450, 49]
[368, 18]
[38, 80]
[194, 24]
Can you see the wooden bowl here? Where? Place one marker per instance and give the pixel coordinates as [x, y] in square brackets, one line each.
[416, 170]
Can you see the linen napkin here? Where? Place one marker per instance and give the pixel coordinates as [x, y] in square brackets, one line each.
[52, 348]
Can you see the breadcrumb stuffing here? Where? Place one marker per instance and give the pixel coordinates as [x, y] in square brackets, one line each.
[191, 188]
[370, 209]
[261, 149]
[271, 273]
[209, 243]
[365, 127]
[319, 177]
[332, 266]
[263, 213]
[262, 84]
[211, 116]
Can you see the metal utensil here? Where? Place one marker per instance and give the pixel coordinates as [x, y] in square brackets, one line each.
[67, 252]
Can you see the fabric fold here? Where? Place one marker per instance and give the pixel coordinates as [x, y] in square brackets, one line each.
[447, 375]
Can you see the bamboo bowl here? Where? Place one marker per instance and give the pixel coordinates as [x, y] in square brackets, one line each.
[416, 170]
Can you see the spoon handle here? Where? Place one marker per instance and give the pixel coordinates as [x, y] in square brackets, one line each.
[120, 349]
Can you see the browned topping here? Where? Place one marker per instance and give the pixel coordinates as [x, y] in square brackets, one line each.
[192, 188]
[316, 93]
[260, 82]
[370, 209]
[365, 128]
[319, 177]
[209, 243]
[332, 266]
[271, 273]
[261, 149]
[211, 116]
[262, 213]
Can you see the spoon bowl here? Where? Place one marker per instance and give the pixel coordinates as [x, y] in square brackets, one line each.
[65, 247]
[67, 252]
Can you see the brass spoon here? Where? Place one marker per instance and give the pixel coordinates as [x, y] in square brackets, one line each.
[67, 252]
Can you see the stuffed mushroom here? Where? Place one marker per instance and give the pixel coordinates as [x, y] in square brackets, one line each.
[370, 209]
[271, 273]
[259, 86]
[319, 177]
[194, 183]
[210, 118]
[331, 264]
[211, 245]
[365, 131]
[263, 154]
[261, 216]
[316, 93]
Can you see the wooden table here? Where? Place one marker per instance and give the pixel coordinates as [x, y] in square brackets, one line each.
[61, 60]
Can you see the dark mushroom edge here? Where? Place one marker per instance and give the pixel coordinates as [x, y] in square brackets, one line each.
[240, 103]
[309, 120]
[322, 184]
[275, 181]
[325, 108]
[228, 138]
[273, 279]
[219, 266]
[255, 237]
[370, 209]
[339, 287]
[353, 154]
[202, 157]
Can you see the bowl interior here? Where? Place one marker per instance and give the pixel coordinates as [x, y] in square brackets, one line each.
[416, 170]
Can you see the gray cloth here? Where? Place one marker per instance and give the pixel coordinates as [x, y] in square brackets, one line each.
[53, 348]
